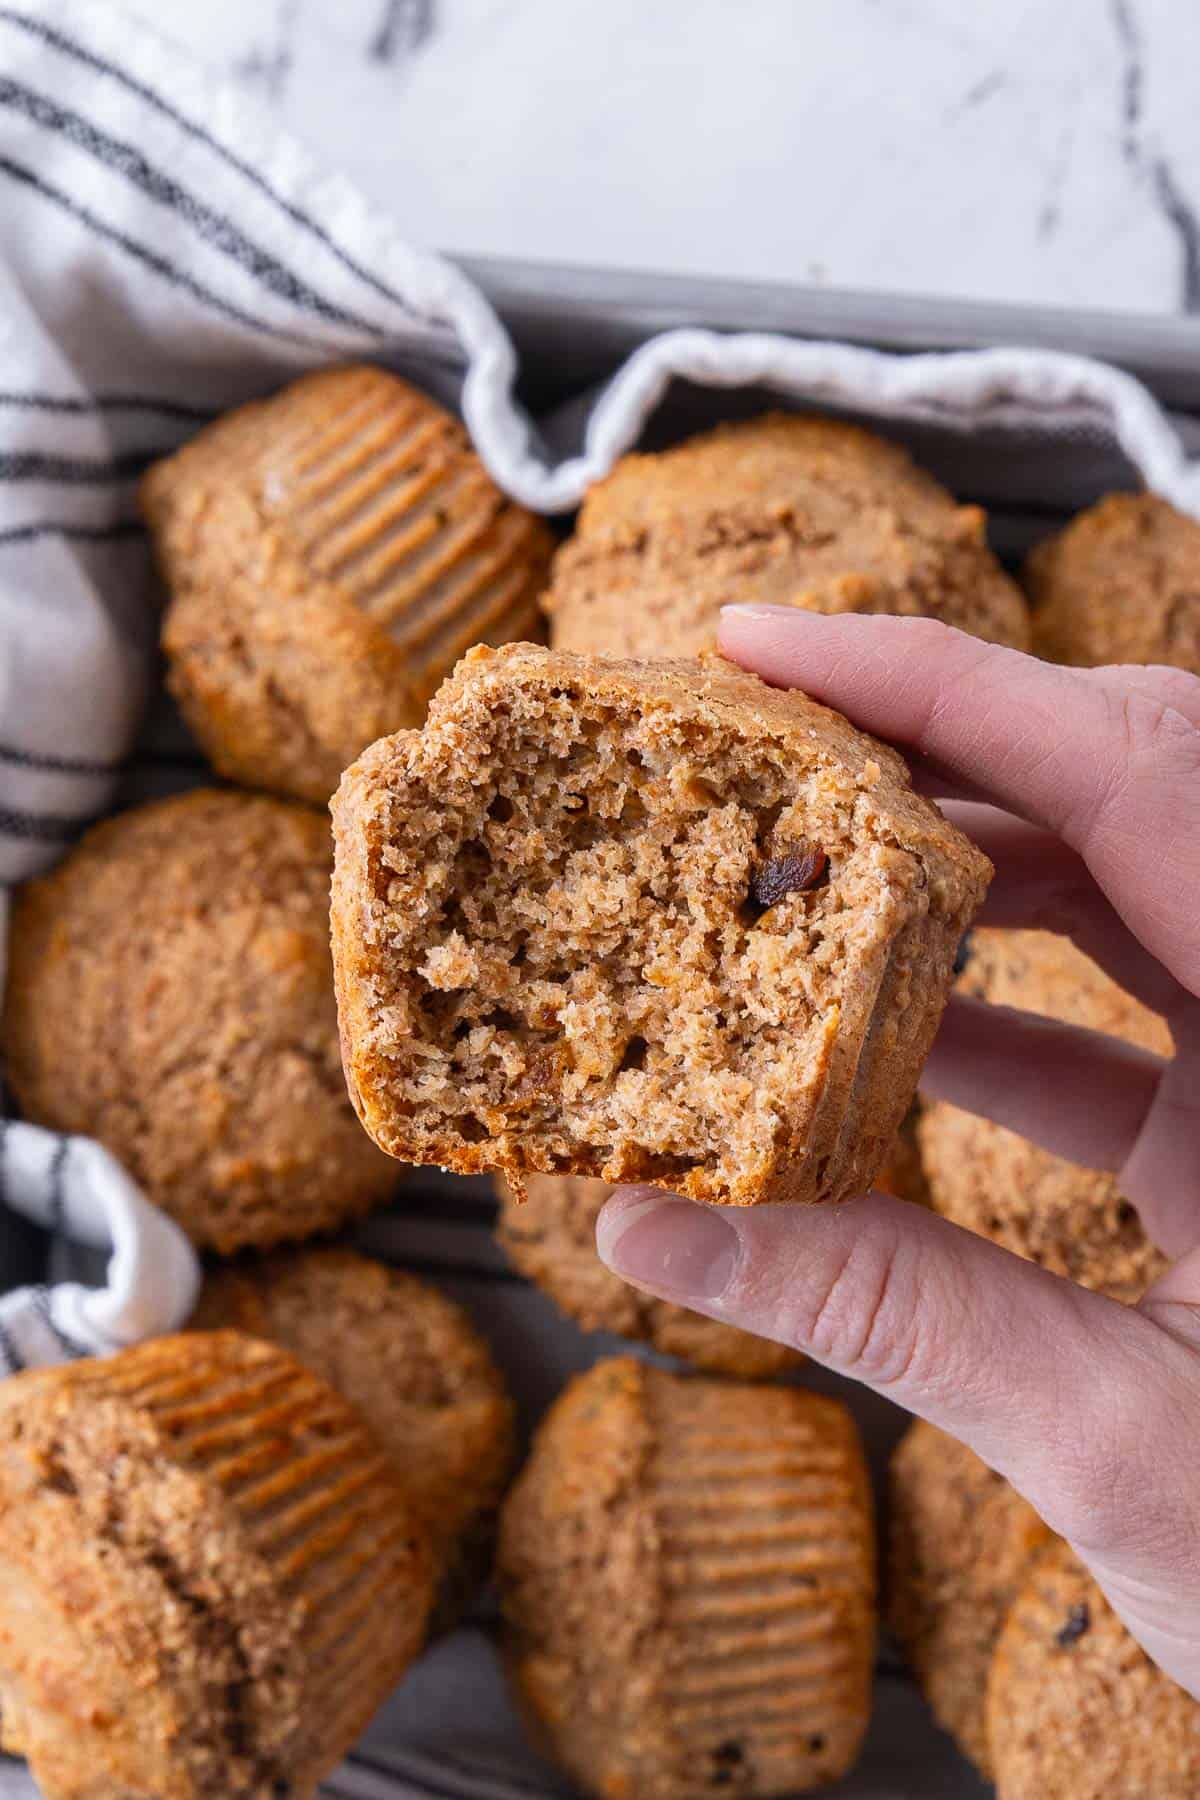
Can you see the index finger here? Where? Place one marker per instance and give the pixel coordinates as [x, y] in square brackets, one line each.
[1093, 755]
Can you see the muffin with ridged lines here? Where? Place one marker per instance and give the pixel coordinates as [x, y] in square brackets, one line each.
[961, 1541]
[170, 992]
[331, 552]
[209, 1573]
[781, 510]
[1075, 1708]
[415, 1368]
[687, 1576]
[550, 1236]
[1073, 1221]
[1120, 584]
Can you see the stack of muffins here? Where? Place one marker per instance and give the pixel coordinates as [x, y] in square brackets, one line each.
[220, 1550]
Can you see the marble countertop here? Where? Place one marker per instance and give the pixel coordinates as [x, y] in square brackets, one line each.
[1004, 150]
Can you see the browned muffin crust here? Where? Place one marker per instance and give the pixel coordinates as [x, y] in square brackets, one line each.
[550, 1237]
[331, 552]
[209, 1576]
[1120, 584]
[641, 921]
[411, 1363]
[687, 1575]
[170, 993]
[1075, 1708]
[783, 511]
[961, 1542]
[1073, 1221]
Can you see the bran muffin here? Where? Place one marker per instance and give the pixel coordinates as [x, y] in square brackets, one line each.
[170, 993]
[961, 1542]
[780, 510]
[331, 552]
[209, 1576]
[1075, 1708]
[411, 1363]
[687, 1575]
[1120, 584]
[1071, 1220]
[641, 922]
[551, 1238]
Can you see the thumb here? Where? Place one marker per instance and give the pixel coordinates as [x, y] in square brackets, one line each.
[1068, 1394]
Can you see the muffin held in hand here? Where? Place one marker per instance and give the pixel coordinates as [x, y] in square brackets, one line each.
[1121, 584]
[1075, 1708]
[551, 1238]
[209, 1575]
[415, 1368]
[643, 922]
[1073, 1221]
[331, 552]
[687, 1575]
[961, 1543]
[170, 993]
[781, 510]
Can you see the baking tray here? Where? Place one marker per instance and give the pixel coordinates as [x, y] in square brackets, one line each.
[448, 1730]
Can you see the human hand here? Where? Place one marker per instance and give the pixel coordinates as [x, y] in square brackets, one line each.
[1083, 785]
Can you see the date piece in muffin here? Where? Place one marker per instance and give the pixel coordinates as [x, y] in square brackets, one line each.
[170, 993]
[330, 552]
[415, 1368]
[209, 1574]
[961, 1541]
[687, 1577]
[1073, 1221]
[782, 510]
[550, 1237]
[1076, 1710]
[1120, 584]
[642, 922]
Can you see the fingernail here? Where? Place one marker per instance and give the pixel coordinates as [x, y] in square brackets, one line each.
[748, 609]
[672, 1246]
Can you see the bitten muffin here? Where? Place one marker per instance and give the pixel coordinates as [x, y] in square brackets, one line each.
[1073, 1221]
[642, 922]
[551, 1238]
[1075, 1709]
[783, 511]
[209, 1575]
[415, 1368]
[170, 993]
[961, 1541]
[1121, 584]
[687, 1577]
[330, 552]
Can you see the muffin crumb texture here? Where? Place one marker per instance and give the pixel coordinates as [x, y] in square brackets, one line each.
[687, 1576]
[554, 953]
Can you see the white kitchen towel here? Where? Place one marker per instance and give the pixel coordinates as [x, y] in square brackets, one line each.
[166, 252]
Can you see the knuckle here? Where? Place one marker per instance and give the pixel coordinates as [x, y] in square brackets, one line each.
[866, 1320]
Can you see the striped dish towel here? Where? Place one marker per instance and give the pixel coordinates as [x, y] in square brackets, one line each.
[165, 253]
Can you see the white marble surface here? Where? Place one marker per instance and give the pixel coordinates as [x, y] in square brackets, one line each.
[1003, 149]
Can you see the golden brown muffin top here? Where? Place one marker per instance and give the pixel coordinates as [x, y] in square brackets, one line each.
[1076, 1710]
[1042, 972]
[1120, 584]
[170, 993]
[780, 509]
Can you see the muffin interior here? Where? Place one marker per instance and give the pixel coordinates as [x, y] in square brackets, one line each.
[623, 933]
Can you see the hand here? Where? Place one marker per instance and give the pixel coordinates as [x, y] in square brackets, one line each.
[1084, 788]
